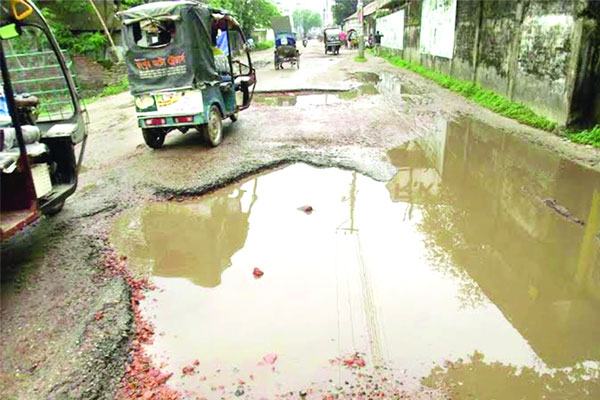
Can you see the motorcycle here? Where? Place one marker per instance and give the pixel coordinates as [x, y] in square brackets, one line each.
[305, 42]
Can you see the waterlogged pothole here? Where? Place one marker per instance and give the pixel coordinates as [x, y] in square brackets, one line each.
[436, 280]
[292, 99]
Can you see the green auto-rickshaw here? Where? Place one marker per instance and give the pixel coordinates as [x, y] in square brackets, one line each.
[188, 67]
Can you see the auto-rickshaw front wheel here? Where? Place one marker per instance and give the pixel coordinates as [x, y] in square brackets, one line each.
[213, 130]
[154, 137]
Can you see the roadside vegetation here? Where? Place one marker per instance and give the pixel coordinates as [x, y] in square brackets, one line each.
[495, 102]
[264, 45]
[479, 95]
[591, 136]
[111, 90]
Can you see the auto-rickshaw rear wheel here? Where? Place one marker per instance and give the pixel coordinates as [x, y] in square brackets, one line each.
[154, 137]
[213, 130]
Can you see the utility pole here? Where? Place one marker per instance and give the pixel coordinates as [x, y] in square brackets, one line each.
[361, 30]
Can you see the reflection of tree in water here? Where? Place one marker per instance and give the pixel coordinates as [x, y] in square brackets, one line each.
[195, 240]
[486, 224]
[439, 227]
[476, 379]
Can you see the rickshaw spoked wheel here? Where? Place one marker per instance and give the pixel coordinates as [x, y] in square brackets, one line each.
[213, 130]
[154, 137]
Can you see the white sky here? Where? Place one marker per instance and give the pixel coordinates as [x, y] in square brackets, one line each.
[315, 5]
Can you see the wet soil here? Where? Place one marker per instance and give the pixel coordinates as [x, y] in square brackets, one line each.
[75, 319]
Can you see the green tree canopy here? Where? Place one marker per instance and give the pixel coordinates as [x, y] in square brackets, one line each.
[250, 14]
[342, 9]
[305, 20]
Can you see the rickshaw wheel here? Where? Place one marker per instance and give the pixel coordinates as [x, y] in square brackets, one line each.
[154, 137]
[213, 130]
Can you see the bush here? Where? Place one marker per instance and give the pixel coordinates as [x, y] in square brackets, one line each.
[267, 44]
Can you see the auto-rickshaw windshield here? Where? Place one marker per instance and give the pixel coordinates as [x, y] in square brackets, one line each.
[36, 72]
[154, 32]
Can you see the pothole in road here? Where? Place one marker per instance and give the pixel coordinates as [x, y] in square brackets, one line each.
[452, 275]
[291, 99]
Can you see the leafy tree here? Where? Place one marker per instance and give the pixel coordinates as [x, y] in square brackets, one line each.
[251, 14]
[88, 43]
[342, 9]
[306, 20]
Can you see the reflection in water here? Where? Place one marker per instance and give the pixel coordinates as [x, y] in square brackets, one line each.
[487, 381]
[293, 100]
[208, 234]
[481, 194]
[466, 262]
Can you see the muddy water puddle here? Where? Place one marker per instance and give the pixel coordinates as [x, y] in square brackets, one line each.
[299, 99]
[455, 278]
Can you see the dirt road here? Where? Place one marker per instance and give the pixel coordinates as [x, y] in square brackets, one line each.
[67, 323]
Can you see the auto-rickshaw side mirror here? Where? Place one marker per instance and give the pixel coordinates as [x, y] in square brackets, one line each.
[9, 31]
[20, 9]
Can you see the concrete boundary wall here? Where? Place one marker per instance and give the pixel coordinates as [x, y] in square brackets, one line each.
[543, 53]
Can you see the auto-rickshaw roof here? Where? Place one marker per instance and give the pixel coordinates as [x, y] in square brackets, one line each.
[154, 10]
[173, 8]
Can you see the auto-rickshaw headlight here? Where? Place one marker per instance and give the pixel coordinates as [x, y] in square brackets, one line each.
[144, 102]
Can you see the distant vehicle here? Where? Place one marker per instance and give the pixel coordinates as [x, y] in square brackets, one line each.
[41, 119]
[332, 40]
[189, 66]
[305, 42]
[285, 42]
[286, 51]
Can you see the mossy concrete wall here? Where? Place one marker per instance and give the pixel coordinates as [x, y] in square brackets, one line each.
[542, 53]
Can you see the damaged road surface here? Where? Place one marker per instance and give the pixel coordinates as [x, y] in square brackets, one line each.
[415, 288]
[448, 253]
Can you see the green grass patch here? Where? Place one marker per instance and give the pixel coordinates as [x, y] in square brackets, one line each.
[360, 59]
[591, 136]
[112, 90]
[479, 95]
[267, 44]
[123, 86]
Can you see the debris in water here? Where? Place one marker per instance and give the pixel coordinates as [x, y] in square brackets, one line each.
[268, 359]
[188, 370]
[563, 211]
[306, 209]
[142, 379]
[355, 360]
[239, 391]
[257, 273]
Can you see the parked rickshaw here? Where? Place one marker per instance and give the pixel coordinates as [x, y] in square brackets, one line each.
[286, 50]
[41, 119]
[189, 66]
[332, 40]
